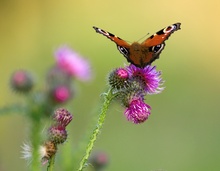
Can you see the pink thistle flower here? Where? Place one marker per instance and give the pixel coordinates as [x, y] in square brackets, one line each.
[137, 111]
[73, 63]
[148, 77]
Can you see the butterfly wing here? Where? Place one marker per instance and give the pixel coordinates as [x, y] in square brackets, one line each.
[122, 45]
[162, 35]
[156, 43]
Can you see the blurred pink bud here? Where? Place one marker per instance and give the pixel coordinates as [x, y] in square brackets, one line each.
[61, 94]
[21, 81]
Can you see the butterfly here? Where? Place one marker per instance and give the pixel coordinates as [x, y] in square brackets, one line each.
[142, 54]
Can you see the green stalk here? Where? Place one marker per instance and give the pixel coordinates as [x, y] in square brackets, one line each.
[108, 98]
[35, 140]
[51, 163]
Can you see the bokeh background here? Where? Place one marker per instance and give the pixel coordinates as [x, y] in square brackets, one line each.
[183, 131]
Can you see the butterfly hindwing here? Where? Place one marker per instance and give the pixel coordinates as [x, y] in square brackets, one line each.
[152, 54]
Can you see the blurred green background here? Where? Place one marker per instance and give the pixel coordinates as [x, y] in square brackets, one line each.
[182, 133]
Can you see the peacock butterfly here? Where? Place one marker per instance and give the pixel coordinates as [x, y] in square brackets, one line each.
[142, 54]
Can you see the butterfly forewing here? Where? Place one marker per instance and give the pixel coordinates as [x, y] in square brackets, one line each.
[116, 39]
[160, 36]
[122, 45]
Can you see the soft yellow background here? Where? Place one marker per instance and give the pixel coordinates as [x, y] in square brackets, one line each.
[183, 131]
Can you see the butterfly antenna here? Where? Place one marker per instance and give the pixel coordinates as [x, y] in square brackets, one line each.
[143, 36]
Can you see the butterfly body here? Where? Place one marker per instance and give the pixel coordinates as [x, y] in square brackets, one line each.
[138, 52]
[142, 54]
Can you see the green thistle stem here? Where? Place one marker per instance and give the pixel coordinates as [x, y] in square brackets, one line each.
[35, 113]
[51, 163]
[108, 98]
[35, 140]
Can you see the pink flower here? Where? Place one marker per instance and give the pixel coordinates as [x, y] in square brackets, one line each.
[148, 77]
[137, 111]
[73, 63]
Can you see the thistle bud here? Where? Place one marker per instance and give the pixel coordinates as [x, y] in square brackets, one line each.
[21, 81]
[57, 134]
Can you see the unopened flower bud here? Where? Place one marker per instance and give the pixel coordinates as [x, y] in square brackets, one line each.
[99, 160]
[118, 78]
[21, 81]
[60, 94]
[57, 134]
[62, 116]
